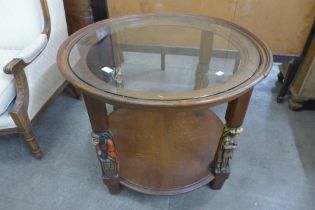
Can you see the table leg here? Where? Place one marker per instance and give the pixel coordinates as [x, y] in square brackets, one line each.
[103, 140]
[234, 117]
[206, 45]
[162, 61]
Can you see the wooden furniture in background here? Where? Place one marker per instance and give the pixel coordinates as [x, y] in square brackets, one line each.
[284, 26]
[159, 141]
[80, 13]
[303, 85]
[289, 70]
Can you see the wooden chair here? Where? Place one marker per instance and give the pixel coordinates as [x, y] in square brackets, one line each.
[31, 32]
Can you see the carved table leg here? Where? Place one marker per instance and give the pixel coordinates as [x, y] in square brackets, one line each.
[103, 140]
[108, 158]
[234, 117]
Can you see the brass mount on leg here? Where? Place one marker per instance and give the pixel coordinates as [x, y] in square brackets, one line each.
[226, 148]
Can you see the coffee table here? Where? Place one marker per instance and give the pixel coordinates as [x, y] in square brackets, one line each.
[163, 73]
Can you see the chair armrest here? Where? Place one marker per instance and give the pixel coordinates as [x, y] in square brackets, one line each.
[29, 53]
[19, 112]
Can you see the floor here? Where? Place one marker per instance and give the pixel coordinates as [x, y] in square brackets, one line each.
[273, 168]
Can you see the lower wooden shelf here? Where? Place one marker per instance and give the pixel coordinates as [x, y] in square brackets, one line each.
[165, 153]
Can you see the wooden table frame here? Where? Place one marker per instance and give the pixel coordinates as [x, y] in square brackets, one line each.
[216, 142]
[234, 116]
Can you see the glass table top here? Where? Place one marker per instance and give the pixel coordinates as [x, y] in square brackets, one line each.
[165, 57]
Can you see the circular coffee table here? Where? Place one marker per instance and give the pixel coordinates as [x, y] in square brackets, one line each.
[162, 73]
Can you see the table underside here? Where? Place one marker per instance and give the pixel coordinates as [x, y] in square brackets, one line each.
[165, 153]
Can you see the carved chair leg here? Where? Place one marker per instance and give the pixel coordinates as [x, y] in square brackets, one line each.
[22, 121]
[31, 142]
